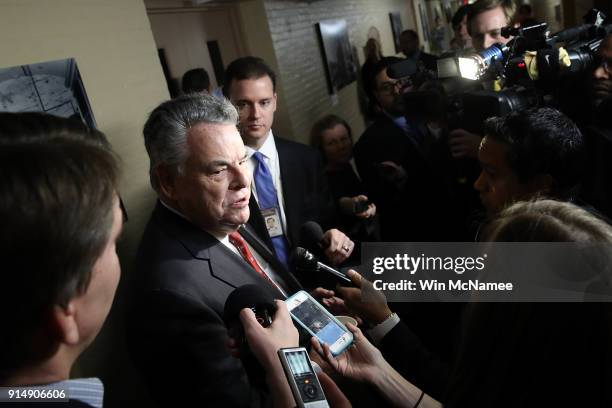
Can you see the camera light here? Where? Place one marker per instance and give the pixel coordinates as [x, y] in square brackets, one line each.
[475, 65]
[469, 68]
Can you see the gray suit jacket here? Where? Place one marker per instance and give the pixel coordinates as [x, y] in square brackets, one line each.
[176, 332]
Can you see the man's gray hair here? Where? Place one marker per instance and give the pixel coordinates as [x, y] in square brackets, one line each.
[165, 132]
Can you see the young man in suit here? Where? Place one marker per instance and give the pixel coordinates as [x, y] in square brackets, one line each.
[287, 181]
[60, 220]
[196, 249]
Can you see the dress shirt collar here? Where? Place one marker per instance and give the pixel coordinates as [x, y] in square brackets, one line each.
[268, 149]
[87, 390]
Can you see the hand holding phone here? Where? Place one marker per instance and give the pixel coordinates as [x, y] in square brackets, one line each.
[317, 321]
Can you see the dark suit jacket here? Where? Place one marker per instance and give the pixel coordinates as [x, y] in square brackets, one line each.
[305, 191]
[429, 61]
[176, 332]
[414, 211]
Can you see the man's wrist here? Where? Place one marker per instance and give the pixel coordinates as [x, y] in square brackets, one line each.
[384, 315]
[378, 332]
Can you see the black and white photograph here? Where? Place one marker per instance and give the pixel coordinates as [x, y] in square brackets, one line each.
[340, 63]
[396, 29]
[53, 87]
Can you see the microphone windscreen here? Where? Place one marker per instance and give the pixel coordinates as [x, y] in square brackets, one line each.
[251, 296]
[311, 234]
[302, 259]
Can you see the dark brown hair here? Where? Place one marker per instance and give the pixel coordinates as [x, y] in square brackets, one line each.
[247, 68]
[323, 124]
[58, 186]
[508, 6]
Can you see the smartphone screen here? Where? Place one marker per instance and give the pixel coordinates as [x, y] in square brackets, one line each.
[319, 322]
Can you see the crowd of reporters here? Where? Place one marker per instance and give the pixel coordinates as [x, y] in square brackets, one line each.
[232, 198]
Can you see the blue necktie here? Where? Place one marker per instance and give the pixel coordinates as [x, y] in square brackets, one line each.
[267, 198]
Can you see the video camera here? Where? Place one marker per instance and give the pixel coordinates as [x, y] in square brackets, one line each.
[529, 70]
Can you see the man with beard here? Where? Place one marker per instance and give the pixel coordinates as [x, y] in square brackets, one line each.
[395, 172]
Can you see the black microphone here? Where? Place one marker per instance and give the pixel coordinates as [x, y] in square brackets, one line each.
[303, 259]
[257, 298]
[311, 236]
[261, 301]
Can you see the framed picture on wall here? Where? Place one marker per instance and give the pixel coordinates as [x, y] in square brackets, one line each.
[338, 56]
[53, 87]
[424, 22]
[396, 29]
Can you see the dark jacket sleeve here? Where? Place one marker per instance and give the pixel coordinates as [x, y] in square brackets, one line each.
[407, 354]
[179, 343]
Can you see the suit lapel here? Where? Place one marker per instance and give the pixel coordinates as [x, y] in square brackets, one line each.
[257, 222]
[290, 180]
[265, 252]
[225, 265]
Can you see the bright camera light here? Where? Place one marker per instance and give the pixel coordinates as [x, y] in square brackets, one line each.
[474, 66]
[469, 68]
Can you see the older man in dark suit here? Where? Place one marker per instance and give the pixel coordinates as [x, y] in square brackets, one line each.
[194, 252]
[288, 184]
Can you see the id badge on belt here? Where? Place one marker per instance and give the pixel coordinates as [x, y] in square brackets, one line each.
[273, 221]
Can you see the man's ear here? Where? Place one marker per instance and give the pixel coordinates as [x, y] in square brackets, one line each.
[166, 180]
[65, 323]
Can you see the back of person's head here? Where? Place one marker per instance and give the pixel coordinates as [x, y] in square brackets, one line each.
[372, 49]
[459, 15]
[480, 6]
[58, 194]
[564, 345]
[547, 221]
[325, 123]
[410, 35]
[165, 132]
[541, 141]
[35, 126]
[195, 80]
[247, 68]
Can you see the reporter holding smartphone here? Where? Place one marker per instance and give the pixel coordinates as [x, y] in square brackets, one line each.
[510, 354]
[363, 362]
[264, 343]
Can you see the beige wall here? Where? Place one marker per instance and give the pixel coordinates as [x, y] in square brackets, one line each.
[257, 41]
[183, 30]
[114, 49]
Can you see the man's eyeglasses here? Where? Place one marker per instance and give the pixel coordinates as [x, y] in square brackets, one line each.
[391, 86]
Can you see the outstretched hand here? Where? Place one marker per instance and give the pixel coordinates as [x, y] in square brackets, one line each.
[361, 362]
[373, 309]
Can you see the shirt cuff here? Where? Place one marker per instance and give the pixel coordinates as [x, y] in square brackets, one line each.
[378, 332]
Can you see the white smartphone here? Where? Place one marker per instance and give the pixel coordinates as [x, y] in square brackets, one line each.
[302, 379]
[311, 315]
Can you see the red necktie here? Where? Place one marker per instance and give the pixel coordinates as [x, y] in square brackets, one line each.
[236, 239]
